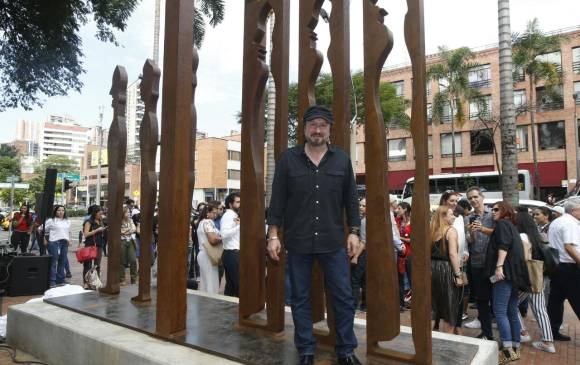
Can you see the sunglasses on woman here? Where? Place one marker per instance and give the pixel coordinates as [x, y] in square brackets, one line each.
[495, 210]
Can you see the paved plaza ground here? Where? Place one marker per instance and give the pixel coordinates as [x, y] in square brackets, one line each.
[567, 353]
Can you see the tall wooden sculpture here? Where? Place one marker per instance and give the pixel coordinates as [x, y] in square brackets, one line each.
[383, 283]
[254, 290]
[421, 276]
[174, 182]
[117, 152]
[148, 137]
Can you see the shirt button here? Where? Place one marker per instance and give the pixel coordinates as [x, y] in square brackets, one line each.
[316, 186]
[317, 202]
[316, 171]
[316, 218]
[316, 233]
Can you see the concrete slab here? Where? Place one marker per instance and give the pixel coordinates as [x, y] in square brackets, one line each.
[75, 335]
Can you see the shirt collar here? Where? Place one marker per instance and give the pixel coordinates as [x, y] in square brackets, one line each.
[299, 149]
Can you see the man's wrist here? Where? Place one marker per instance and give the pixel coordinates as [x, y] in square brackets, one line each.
[354, 230]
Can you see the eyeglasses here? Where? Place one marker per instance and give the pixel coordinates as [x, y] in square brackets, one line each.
[495, 210]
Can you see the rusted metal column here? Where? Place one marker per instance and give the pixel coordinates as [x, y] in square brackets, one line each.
[117, 152]
[148, 137]
[174, 181]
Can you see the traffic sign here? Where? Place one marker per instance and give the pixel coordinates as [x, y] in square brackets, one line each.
[16, 186]
[72, 176]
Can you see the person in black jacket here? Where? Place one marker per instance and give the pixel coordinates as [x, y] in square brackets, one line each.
[505, 263]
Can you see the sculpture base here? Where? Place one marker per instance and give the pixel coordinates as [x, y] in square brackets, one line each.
[212, 331]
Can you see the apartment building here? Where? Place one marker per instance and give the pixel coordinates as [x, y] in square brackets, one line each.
[217, 167]
[61, 136]
[473, 143]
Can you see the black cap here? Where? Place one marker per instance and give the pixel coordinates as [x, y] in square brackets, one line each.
[318, 111]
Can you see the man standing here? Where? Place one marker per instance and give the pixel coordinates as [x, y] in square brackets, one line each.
[230, 232]
[313, 186]
[479, 229]
[564, 235]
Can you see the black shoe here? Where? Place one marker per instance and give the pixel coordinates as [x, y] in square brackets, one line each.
[348, 360]
[68, 275]
[560, 337]
[306, 360]
[481, 336]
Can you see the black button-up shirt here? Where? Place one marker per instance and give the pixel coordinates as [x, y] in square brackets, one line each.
[309, 201]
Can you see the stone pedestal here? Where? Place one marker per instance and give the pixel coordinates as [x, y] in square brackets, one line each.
[99, 329]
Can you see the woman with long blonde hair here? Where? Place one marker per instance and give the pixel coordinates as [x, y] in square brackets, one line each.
[446, 282]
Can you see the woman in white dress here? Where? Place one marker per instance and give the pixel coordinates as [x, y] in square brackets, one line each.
[208, 234]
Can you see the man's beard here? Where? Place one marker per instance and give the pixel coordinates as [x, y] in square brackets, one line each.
[316, 141]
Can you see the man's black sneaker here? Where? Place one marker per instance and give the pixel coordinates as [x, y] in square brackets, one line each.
[560, 337]
[306, 360]
[348, 360]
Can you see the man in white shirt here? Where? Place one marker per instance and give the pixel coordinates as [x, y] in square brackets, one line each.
[230, 232]
[564, 235]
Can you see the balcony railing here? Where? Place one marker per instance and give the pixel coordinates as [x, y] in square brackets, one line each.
[576, 67]
[519, 76]
[479, 84]
[550, 105]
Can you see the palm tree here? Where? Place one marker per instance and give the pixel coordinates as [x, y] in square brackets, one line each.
[212, 9]
[526, 49]
[452, 75]
[509, 154]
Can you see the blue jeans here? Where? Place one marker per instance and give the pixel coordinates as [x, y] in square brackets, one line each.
[335, 266]
[58, 251]
[505, 308]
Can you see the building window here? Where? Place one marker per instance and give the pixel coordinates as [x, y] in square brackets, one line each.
[480, 107]
[446, 147]
[519, 100]
[577, 92]
[234, 175]
[552, 57]
[428, 87]
[430, 146]
[234, 155]
[399, 87]
[429, 113]
[443, 84]
[481, 142]
[446, 115]
[480, 77]
[518, 74]
[551, 135]
[397, 149]
[576, 60]
[522, 138]
[549, 99]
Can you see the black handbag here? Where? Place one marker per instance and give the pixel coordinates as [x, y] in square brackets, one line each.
[551, 258]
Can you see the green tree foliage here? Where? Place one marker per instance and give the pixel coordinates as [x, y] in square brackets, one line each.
[41, 50]
[452, 76]
[526, 49]
[393, 107]
[9, 166]
[7, 150]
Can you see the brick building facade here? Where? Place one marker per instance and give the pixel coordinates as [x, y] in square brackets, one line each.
[554, 120]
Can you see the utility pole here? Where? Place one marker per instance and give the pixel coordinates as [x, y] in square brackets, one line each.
[98, 197]
[12, 180]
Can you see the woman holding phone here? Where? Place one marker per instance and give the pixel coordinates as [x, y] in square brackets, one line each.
[94, 232]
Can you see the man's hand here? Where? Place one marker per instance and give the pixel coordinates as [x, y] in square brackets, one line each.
[274, 248]
[352, 244]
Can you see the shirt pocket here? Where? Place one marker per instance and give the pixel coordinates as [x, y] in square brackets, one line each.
[333, 180]
[298, 181]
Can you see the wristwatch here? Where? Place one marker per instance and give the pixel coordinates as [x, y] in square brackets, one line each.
[457, 274]
[354, 230]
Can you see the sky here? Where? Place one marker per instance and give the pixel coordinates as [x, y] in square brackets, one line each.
[454, 23]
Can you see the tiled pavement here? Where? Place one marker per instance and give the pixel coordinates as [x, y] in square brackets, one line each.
[567, 353]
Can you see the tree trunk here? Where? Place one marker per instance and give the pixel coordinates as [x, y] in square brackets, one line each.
[271, 110]
[507, 118]
[534, 146]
